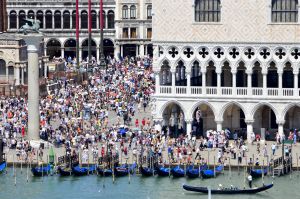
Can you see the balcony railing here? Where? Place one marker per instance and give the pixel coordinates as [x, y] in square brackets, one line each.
[242, 92]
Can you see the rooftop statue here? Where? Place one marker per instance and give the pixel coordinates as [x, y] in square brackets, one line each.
[31, 26]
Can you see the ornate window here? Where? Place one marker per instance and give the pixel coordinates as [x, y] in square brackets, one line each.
[94, 19]
[149, 12]
[48, 19]
[30, 14]
[57, 20]
[125, 12]
[13, 19]
[111, 19]
[22, 17]
[104, 20]
[84, 19]
[132, 12]
[207, 10]
[74, 19]
[40, 17]
[66, 19]
[284, 11]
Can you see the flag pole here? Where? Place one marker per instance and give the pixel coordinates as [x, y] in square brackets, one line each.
[90, 33]
[77, 33]
[101, 58]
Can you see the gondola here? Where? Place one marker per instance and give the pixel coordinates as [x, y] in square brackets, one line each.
[82, 171]
[194, 172]
[123, 170]
[162, 171]
[2, 166]
[105, 172]
[228, 190]
[257, 173]
[64, 171]
[41, 171]
[209, 173]
[177, 172]
[147, 171]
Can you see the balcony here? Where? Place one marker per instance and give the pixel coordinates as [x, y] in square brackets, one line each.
[229, 92]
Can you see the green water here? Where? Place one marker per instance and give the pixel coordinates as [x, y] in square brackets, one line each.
[56, 187]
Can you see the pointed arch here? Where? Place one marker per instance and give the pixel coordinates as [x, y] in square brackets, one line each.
[162, 109]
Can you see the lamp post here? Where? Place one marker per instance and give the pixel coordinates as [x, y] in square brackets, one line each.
[102, 58]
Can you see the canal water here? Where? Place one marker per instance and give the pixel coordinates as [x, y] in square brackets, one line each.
[93, 186]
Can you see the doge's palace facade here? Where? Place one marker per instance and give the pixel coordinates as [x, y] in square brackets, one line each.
[227, 64]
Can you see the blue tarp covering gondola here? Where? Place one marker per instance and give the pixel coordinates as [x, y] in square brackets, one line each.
[81, 171]
[162, 171]
[2, 166]
[257, 173]
[193, 172]
[147, 171]
[178, 172]
[209, 173]
[41, 171]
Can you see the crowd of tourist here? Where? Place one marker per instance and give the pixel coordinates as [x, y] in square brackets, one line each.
[100, 116]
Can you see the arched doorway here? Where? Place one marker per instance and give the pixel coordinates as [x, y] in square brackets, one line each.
[292, 118]
[203, 120]
[265, 121]
[234, 120]
[108, 48]
[85, 49]
[70, 48]
[53, 48]
[129, 50]
[257, 77]
[173, 120]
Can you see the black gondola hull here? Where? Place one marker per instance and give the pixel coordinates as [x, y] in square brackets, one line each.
[228, 191]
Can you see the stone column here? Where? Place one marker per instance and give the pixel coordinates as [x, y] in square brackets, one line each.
[33, 44]
[63, 52]
[280, 72]
[233, 72]
[45, 60]
[219, 125]
[249, 129]
[296, 94]
[22, 75]
[264, 83]
[203, 72]
[189, 128]
[142, 50]
[188, 82]
[280, 127]
[249, 82]
[173, 81]
[121, 49]
[219, 83]
[53, 27]
[157, 83]
[17, 74]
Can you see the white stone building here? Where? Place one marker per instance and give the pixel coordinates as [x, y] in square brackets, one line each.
[134, 27]
[58, 23]
[227, 64]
